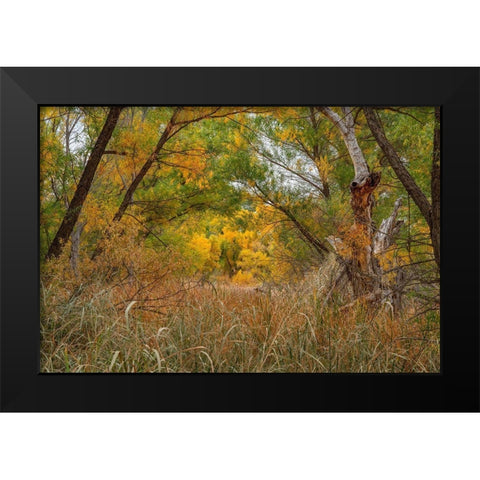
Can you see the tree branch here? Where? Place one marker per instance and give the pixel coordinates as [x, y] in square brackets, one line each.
[394, 160]
[346, 125]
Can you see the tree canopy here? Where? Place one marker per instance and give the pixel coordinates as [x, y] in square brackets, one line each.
[246, 196]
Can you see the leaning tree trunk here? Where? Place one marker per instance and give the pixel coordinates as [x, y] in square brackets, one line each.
[168, 132]
[75, 207]
[360, 262]
[431, 213]
[166, 135]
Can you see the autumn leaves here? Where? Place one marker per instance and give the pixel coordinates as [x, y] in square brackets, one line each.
[184, 177]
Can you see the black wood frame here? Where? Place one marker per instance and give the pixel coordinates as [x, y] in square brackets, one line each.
[23, 388]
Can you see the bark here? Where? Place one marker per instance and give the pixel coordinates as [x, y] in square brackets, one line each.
[362, 271]
[389, 228]
[75, 248]
[318, 246]
[435, 188]
[431, 213]
[346, 125]
[397, 294]
[361, 266]
[127, 199]
[394, 160]
[382, 240]
[83, 187]
[317, 158]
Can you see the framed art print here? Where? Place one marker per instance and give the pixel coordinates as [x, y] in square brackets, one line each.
[239, 239]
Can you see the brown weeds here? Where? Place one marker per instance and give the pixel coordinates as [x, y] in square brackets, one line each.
[172, 326]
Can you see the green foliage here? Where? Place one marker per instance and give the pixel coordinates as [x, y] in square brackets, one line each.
[290, 159]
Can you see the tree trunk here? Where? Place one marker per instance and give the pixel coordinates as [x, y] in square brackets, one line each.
[394, 160]
[127, 199]
[75, 249]
[363, 273]
[382, 239]
[75, 207]
[435, 189]
[317, 158]
[389, 228]
[361, 266]
[311, 240]
[431, 213]
[346, 125]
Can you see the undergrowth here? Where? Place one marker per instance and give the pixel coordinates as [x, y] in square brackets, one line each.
[93, 327]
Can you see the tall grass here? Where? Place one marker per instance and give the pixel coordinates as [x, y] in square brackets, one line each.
[228, 328]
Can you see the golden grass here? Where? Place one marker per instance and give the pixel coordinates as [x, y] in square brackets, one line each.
[93, 328]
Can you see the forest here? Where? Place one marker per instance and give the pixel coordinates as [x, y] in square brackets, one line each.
[233, 239]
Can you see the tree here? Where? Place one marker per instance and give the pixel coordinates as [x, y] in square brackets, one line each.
[430, 212]
[181, 118]
[361, 267]
[279, 157]
[168, 132]
[83, 187]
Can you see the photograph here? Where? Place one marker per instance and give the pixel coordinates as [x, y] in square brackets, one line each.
[239, 239]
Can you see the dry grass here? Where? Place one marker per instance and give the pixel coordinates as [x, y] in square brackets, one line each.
[90, 328]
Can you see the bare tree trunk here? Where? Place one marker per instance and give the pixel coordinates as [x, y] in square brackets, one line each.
[75, 248]
[361, 267]
[389, 228]
[83, 187]
[346, 125]
[382, 240]
[397, 293]
[363, 275]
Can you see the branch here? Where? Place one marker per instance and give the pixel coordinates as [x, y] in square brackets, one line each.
[346, 125]
[311, 239]
[115, 152]
[394, 160]
[389, 227]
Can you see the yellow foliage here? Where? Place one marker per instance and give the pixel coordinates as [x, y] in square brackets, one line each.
[254, 262]
[244, 239]
[200, 246]
[47, 112]
[93, 213]
[243, 278]
[205, 252]
[238, 139]
[284, 135]
[324, 167]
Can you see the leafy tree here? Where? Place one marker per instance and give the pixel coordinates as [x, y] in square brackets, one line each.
[84, 184]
